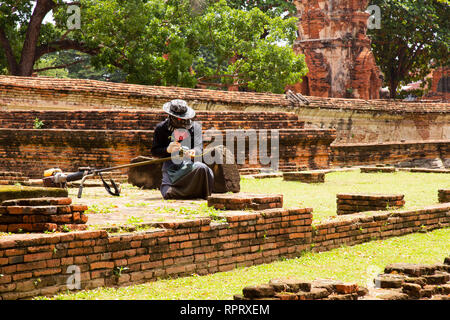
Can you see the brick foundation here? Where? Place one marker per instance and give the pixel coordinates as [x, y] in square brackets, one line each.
[363, 128]
[295, 289]
[41, 214]
[245, 201]
[444, 195]
[400, 281]
[352, 203]
[355, 120]
[28, 150]
[200, 246]
[306, 177]
[12, 177]
[378, 169]
[407, 281]
[387, 153]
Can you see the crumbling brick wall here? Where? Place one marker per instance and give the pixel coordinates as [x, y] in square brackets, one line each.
[357, 122]
[31, 151]
[37, 264]
[332, 36]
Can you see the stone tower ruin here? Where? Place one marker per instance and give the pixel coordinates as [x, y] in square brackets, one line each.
[332, 36]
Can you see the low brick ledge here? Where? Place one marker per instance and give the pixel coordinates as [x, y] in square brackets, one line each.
[119, 90]
[444, 195]
[36, 264]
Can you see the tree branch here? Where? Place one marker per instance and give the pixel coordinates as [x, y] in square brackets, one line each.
[221, 85]
[64, 45]
[60, 67]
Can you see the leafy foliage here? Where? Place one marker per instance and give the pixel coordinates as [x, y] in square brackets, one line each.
[414, 37]
[171, 43]
[274, 8]
[248, 49]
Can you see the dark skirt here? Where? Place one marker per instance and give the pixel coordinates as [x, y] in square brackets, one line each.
[196, 184]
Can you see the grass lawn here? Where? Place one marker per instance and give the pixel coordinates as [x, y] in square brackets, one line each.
[360, 263]
[420, 189]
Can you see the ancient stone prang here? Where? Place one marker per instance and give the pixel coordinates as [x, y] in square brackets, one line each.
[332, 36]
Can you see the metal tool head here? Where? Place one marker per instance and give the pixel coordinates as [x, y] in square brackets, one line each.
[114, 186]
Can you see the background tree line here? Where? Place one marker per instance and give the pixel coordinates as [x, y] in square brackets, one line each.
[246, 44]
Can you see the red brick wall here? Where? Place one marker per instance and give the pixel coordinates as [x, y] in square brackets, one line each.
[32, 151]
[356, 120]
[359, 228]
[443, 93]
[36, 264]
[388, 153]
[145, 120]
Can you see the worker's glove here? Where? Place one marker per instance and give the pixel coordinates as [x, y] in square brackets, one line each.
[174, 147]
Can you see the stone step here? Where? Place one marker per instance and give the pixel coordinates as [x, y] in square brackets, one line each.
[244, 201]
[47, 201]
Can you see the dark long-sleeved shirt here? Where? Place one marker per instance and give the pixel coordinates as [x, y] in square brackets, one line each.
[163, 137]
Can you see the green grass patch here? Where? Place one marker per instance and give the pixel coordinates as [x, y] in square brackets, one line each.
[360, 264]
[420, 189]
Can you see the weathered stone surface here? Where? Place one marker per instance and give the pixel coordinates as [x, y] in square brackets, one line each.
[411, 289]
[22, 192]
[394, 295]
[437, 278]
[444, 195]
[416, 270]
[389, 281]
[314, 294]
[291, 285]
[258, 291]
[352, 203]
[362, 291]
[444, 289]
[346, 288]
[226, 174]
[148, 176]
[328, 284]
[243, 201]
[351, 296]
[305, 177]
[416, 280]
[378, 169]
[428, 291]
[286, 296]
[279, 285]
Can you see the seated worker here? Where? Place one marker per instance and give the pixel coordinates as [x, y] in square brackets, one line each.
[187, 178]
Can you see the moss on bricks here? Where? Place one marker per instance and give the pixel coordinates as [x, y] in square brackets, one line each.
[23, 192]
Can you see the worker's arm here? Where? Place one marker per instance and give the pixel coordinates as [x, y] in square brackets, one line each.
[160, 143]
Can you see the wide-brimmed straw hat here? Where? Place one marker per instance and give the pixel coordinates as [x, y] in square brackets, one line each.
[179, 108]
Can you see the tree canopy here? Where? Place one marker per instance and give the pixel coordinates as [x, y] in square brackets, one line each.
[414, 37]
[173, 42]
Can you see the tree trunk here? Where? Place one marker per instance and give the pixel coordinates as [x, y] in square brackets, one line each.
[393, 84]
[28, 55]
[13, 66]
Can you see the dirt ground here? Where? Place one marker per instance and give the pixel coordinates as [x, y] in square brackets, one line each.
[135, 207]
